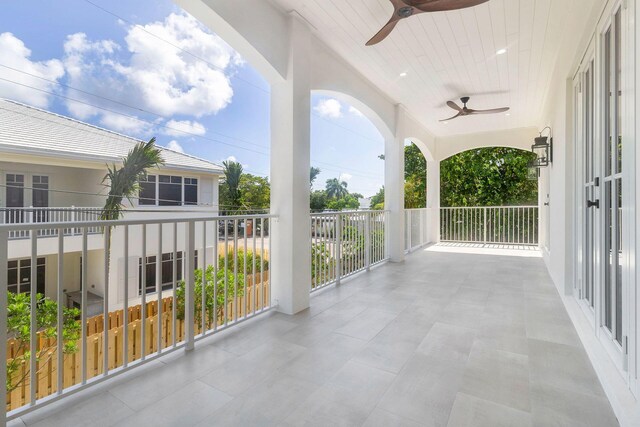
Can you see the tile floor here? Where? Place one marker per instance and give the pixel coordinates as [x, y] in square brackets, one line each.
[444, 339]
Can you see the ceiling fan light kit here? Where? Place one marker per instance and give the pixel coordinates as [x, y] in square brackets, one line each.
[403, 9]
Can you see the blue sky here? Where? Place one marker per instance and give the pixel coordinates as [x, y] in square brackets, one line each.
[89, 61]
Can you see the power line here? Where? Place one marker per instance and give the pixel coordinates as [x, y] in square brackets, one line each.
[122, 103]
[173, 45]
[163, 117]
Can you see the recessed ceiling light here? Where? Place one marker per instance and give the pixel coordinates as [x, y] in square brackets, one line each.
[403, 74]
[501, 51]
[508, 114]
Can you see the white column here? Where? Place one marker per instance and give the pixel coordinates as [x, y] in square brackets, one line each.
[290, 162]
[433, 200]
[394, 188]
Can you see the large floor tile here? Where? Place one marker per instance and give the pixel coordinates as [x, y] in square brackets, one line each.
[470, 411]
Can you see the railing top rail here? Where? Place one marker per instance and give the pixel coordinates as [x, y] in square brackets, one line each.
[120, 222]
[417, 209]
[487, 207]
[347, 212]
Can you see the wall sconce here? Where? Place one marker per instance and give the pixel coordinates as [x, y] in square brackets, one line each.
[543, 149]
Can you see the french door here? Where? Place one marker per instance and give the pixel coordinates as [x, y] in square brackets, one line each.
[599, 141]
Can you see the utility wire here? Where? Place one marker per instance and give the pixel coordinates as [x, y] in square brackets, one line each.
[173, 45]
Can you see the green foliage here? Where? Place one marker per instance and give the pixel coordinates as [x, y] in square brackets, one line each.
[242, 259]
[19, 329]
[346, 202]
[336, 189]
[318, 201]
[377, 201]
[230, 193]
[214, 287]
[415, 176]
[255, 192]
[495, 176]
[313, 174]
[123, 182]
[322, 263]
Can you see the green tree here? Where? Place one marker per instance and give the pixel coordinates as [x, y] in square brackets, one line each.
[313, 174]
[19, 329]
[255, 192]
[377, 201]
[415, 177]
[318, 201]
[348, 201]
[124, 182]
[336, 189]
[495, 176]
[230, 195]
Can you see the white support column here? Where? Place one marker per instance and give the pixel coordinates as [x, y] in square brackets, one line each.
[290, 162]
[433, 201]
[394, 188]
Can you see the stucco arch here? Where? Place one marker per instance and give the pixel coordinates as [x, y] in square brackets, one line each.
[521, 138]
[424, 148]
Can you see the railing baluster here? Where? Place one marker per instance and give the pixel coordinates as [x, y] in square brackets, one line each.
[4, 255]
[189, 280]
[83, 316]
[33, 327]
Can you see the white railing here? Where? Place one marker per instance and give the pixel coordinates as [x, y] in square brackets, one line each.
[345, 243]
[516, 225]
[145, 308]
[46, 215]
[416, 223]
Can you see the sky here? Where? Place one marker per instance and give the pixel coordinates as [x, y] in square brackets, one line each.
[146, 68]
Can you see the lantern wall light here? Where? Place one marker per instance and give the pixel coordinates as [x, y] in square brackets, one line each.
[543, 149]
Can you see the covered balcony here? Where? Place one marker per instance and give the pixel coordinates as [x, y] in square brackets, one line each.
[481, 316]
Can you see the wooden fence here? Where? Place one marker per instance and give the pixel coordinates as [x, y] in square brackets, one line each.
[257, 297]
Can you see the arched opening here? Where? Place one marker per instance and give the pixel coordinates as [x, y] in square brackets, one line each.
[347, 143]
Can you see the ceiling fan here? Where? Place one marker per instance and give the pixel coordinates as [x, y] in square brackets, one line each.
[406, 8]
[464, 111]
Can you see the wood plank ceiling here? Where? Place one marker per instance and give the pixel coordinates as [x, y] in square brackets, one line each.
[447, 55]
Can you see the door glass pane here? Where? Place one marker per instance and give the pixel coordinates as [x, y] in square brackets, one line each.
[618, 93]
[608, 99]
[608, 253]
[619, 235]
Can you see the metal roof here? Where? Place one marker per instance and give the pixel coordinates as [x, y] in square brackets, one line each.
[29, 130]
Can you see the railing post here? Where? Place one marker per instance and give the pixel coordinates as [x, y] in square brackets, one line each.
[189, 279]
[338, 226]
[484, 228]
[367, 240]
[4, 244]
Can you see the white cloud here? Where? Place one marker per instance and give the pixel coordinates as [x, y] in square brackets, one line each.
[16, 55]
[124, 124]
[175, 146]
[330, 108]
[355, 112]
[184, 128]
[231, 159]
[191, 80]
[345, 176]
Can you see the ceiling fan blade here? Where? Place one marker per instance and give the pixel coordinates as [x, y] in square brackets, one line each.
[492, 111]
[453, 105]
[385, 31]
[451, 118]
[443, 5]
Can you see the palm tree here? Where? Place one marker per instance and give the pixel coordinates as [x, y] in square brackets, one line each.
[232, 174]
[313, 174]
[336, 189]
[123, 182]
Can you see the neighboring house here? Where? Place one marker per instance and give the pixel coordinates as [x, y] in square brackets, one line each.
[51, 170]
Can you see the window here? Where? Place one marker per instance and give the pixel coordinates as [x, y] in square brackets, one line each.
[148, 190]
[19, 275]
[190, 191]
[15, 199]
[166, 271]
[40, 197]
[169, 190]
